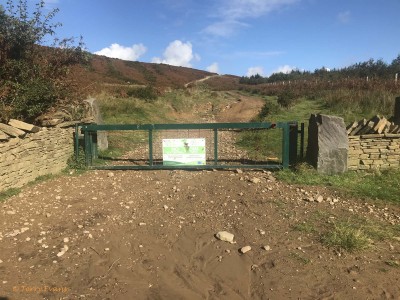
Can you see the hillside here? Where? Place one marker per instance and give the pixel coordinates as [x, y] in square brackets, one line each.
[103, 73]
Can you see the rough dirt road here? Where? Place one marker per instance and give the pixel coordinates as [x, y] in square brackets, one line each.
[151, 235]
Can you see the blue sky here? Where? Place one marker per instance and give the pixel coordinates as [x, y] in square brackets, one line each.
[239, 37]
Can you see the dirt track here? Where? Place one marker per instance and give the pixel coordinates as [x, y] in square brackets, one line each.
[151, 235]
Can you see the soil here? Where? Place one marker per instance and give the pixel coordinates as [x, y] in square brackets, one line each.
[152, 235]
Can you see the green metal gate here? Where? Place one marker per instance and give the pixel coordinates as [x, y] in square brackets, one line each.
[289, 148]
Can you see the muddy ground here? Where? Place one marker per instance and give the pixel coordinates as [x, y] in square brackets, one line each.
[151, 235]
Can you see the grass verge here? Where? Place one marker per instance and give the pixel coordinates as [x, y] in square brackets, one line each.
[268, 143]
[346, 234]
[9, 193]
[384, 185]
[343, 236]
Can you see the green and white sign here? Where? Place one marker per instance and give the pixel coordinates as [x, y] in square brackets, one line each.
[190, 152]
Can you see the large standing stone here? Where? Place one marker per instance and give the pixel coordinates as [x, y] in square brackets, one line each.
[102, 140]
[327, 144]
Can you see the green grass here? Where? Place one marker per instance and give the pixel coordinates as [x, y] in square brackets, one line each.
[300, 111]
[344, 236]
[136, 111]
[4, 195]
[300, 258]
[383, 185]
[131, 111]
[9, 193]
[305, 227]
[393, 263]
[261, 145]
[268, 143]
[43, 178]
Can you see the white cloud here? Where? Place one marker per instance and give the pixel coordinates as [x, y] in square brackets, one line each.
[240, 9]
[254, 71]
[286, 69]
[178, 54]
[231, 13]
[224, 28]
[213, 68]
[344, 17]
[50, 4]
[122, 52]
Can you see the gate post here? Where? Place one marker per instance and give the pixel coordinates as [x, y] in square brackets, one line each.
[150, 147]
[293, 137]
[285, 145]
[88, 151]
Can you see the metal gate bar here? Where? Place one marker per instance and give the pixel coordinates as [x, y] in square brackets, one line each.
[289, 142]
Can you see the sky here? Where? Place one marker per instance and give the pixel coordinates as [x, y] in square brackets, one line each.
[238, 37]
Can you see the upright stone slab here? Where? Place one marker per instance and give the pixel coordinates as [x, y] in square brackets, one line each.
[102, 140]
[328, 146]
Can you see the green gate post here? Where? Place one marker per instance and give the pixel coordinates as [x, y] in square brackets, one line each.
[76, 142]
[88, 151]
[293, 143]
[302, 141]
[285, 145]
[93, 145]
[150, 147]
[215, 146]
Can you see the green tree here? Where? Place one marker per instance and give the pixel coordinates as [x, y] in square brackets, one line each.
[32, 76]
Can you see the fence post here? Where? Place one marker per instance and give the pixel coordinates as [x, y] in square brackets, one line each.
[76, 136]
[150, 147]
[88, 150]
[215, 146]
[93, 144]
[302, 141]
[293, 137]
[285, 145]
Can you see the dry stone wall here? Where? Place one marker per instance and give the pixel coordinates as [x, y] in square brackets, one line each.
[41, 153]
[374, 151]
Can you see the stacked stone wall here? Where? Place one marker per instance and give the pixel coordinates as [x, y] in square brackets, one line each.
[374, 151]
[42, 153]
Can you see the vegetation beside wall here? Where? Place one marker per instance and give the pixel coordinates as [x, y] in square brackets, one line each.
[33, 78]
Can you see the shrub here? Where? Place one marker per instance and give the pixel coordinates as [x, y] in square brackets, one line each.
[146, 93]
[286, 98]
[33, 77]
[268, 109]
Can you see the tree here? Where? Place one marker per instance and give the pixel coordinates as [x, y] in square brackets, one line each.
[33, 77]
